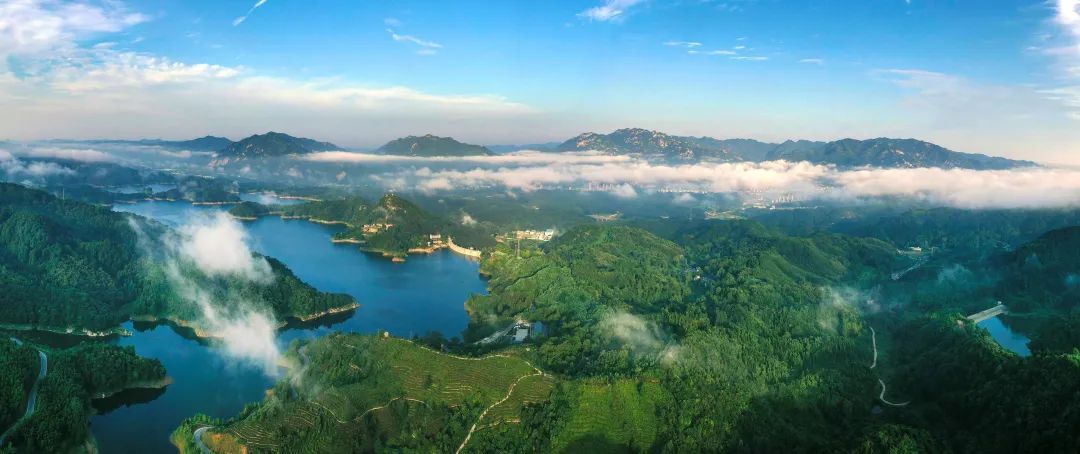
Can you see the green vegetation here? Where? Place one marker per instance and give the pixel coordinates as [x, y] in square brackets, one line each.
[361, 393]
[75, 376]
[18, 369]
[728, 336]
[65, 264]
[1044, 273]
[391, 227]
[249, 210]
[973, 395]
[431, 146]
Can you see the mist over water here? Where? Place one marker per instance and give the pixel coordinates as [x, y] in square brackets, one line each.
[426, 293]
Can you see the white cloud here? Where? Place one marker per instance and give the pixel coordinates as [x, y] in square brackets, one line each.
[963, 188]
[13, 168]
[70, 154]
[750, 58]
[105, 91]
[1043, 187]
[241, 19]
[684, 198]
[610, 10]
[711, 52]
[391, 22]
[428, 47]
[43, 26]
[813, 61]
[641, 336]
[515, 158]
[689, 44]
[625, 191]
[218, 245]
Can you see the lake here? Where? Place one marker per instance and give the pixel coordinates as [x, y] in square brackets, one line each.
[1005, 336]
[426, 293]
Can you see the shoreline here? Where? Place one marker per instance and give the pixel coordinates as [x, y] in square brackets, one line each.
[141, 384]
[202, 334]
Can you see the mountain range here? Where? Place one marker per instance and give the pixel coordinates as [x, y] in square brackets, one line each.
[879, 152]
[206, 143]
[647, 144]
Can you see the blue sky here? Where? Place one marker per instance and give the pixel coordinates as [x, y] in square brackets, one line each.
[994, 76]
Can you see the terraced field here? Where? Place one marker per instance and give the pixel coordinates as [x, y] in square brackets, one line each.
[531, 389]
[612, 415]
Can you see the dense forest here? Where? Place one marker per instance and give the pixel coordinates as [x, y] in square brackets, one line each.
[18, 367]
[66, 264]
[75, 376]
[688, 344]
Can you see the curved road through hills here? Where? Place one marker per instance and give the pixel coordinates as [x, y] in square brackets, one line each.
[198, 434]
[198, 440]
[31, 399]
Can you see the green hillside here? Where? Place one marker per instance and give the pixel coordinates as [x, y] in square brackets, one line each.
[66, 264]
[432, 146]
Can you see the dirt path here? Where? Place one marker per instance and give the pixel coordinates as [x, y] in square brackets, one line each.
[504, 399]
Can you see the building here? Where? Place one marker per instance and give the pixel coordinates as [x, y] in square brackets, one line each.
[535, 235]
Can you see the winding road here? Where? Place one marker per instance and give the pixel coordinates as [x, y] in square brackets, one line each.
[31, 399]
[873, 338]
[198, 440]
[881, 397]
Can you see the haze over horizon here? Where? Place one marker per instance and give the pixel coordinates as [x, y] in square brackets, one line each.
[360, 74]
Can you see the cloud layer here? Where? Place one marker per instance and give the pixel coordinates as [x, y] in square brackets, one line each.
[1037, 187]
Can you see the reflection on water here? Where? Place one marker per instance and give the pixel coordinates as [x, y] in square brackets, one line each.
[126, 398]
[426, 293]
[1005, 336]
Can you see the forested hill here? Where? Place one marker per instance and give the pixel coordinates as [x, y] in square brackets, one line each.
[269, 145]
[391, 226]
[886, 152]
[75, 375]
[66, 264]
[656, 144]
[432, 146]
[1044, 273]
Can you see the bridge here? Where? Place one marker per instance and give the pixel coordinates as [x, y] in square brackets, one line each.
[989, 313]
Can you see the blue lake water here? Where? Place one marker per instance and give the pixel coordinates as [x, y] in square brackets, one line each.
[426, 293]
[1005, 336]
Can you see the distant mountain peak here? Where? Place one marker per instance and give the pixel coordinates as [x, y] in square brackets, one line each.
[430, 145]
[269, 145]
[888, 152]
